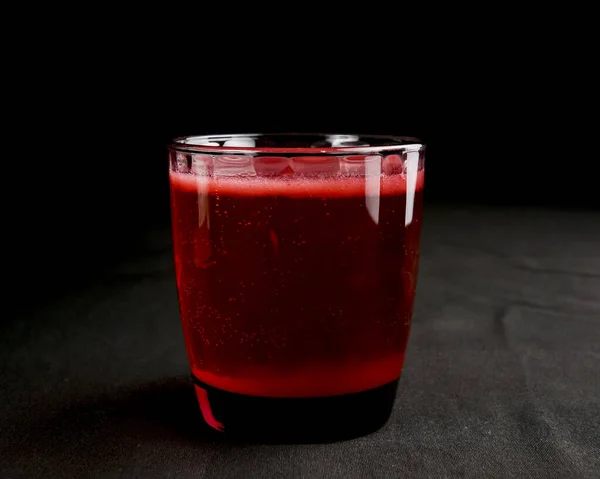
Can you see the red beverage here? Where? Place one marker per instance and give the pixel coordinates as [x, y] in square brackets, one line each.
[296, 278]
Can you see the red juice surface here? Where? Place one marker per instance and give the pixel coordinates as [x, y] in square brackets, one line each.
[293, 286]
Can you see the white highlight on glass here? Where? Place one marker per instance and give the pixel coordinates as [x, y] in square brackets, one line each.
[201, 165]
[243, 141]
[373, 186]
[411, 166]
[200, 142]
[340, 140]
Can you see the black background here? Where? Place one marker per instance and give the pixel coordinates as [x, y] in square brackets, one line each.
[500, 130]
[500, 99]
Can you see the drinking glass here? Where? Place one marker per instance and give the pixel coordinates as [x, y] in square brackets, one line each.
[296, 262]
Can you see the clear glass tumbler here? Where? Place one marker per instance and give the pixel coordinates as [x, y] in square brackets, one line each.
[296, 259]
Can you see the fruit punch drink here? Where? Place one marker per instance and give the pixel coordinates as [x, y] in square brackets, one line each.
[296, 263]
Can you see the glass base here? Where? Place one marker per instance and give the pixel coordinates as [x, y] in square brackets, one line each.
[320, 419]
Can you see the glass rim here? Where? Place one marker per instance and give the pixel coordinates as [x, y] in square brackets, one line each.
[339, 144]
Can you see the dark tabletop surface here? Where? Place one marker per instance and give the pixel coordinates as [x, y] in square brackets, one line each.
[502, 375]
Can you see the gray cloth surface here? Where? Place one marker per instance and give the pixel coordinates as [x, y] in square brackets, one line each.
[502, 375]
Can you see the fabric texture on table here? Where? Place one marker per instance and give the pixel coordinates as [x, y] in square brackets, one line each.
[501, 379]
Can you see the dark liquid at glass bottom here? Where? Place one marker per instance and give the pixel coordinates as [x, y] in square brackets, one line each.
[296, 420]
